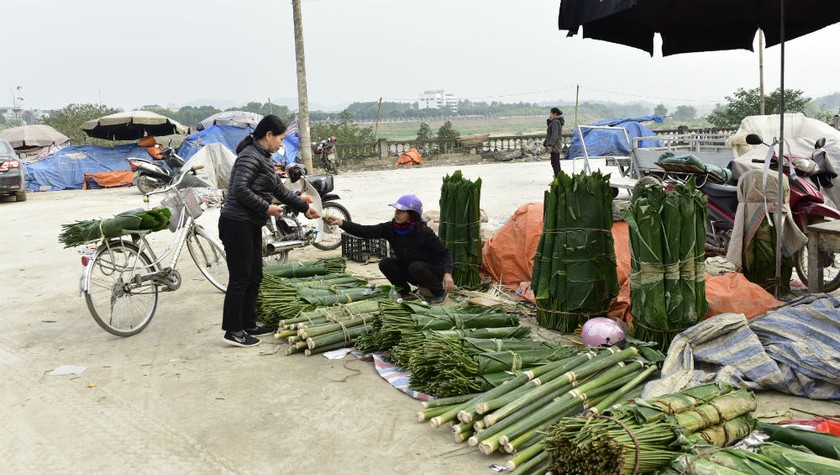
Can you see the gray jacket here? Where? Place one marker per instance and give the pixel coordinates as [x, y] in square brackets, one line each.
[253, 184]
[553, 134]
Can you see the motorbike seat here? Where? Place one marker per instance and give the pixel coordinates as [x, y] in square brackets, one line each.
[725, 196]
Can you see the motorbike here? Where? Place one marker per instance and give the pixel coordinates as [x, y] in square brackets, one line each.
[326, 151]
[807, 204]
[281, 235]
[149, 175]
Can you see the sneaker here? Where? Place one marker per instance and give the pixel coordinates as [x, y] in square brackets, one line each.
[438, 299]
[244, 341]
[409, 297]
[425, 292]
[259, 330]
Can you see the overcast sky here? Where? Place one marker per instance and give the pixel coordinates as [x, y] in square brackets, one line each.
[128, 54]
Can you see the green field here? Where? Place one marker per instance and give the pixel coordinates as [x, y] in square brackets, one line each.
[499, 126]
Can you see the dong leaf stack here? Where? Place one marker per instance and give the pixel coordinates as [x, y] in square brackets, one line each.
[667, 278]
[460, 226]
[574, 275]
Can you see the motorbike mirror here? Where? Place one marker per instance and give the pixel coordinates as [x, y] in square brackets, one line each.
[820, 143]
[754, 139]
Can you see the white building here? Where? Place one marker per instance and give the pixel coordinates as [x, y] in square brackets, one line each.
[437, 99]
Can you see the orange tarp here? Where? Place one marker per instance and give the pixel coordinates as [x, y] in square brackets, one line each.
[409, 158]
[107, 179]
[508, 257]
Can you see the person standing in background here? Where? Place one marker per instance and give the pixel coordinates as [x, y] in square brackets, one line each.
[554, 140]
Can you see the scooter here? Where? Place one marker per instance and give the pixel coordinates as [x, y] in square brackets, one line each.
[281, 235]
[149, 175]
[807, 205]
[326, 150]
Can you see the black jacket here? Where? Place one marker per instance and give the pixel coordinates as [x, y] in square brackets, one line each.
[253, 183]
[421, 244]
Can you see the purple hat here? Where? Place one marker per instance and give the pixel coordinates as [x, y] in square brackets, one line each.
[409, 203]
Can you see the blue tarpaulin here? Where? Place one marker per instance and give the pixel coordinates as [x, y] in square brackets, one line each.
[612, 143]
[230, 136]
[65, 169]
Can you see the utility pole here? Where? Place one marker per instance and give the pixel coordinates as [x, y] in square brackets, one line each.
[761, 72]
[303, 102]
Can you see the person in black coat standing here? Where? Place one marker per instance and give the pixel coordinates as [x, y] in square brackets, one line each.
[421, 258]
[554, 140]
[253, 185]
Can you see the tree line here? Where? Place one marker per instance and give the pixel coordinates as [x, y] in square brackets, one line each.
[742, 103]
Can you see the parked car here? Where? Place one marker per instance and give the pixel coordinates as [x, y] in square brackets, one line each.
[11, 173]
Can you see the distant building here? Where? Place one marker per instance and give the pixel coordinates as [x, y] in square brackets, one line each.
[437, 99]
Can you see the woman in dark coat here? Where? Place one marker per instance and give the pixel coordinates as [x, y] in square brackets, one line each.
[421, 257]
[253, 185]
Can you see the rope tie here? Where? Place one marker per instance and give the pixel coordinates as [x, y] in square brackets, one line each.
[576, 230]
[638, 455]
[516, 361]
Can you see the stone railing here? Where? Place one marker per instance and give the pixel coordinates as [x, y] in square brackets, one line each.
[387, 149]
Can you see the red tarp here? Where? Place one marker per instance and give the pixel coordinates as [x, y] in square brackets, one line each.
[508, 257]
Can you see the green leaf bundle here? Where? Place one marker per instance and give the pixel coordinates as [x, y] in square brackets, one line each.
[460, 227]
[129, 222]
[667, 270]
[574, 276]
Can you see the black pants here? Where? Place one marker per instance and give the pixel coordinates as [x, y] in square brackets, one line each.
[555, 162]
[243, 247]
[419, 273]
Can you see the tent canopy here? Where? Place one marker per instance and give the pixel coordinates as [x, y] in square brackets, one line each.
[601, 142]
[66, 169]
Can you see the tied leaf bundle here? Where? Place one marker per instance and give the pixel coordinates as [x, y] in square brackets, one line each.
[574, 276]
[668, 270]
[329, 328]
[460, 227]
[281, 298]
[454, 366]
[333, 265]
[645, 436]
[760, 260]
[128, 222]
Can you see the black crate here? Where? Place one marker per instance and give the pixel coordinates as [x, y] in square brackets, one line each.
[361, 250]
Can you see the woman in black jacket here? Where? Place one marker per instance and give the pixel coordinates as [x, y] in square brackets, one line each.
[422, 258]
[253, 184]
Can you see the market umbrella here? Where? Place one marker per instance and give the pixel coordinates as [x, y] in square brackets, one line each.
[689, 26]
[132, 125]
[28, 136]
[239, 119]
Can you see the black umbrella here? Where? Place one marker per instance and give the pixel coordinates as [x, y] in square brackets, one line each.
[689, 26]
[132, 125]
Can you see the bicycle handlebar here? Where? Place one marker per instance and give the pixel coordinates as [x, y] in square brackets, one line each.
[176, 182]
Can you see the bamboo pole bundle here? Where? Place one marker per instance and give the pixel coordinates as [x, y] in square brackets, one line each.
[643, 437]
[460, 226]
[574, 275]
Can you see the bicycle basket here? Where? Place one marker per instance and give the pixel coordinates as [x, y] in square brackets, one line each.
[192, 202]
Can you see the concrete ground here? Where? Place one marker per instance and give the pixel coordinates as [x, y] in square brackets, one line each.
[174, 398]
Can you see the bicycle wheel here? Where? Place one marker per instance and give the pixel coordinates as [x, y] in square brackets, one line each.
[209, 256]
[120, 305]
[332, 234]
[830, 263]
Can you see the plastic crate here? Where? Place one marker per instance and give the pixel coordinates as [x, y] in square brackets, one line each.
[362, 250]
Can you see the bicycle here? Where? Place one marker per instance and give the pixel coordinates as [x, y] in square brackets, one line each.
[122, 276]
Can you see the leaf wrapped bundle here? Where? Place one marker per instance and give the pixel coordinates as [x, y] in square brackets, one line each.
[723, 435]
[727, 462]
[827, 445]
[667, 243]
[127, 222]
[282, 299]
[307, 268]
[574, 275]
[460, 227]
[760, 260]
[799, 460]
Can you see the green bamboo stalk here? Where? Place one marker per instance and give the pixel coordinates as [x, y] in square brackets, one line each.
[323, 349]
[537, 464]
[525, 455]
[342, 336]
[623, 391]
[448, 401]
